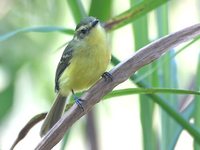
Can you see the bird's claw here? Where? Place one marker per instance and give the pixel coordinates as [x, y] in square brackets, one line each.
[107, 76]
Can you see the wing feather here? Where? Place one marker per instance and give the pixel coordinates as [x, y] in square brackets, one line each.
[63, 63]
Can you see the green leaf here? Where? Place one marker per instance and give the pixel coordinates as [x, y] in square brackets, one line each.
[164, 61]
[106, 11]
[77, 9]
[6, 100]
[170, 110]
[130, 91]
[133, 13]
[197, 104]
[193, 131]
[116, 93]
[140, 27]
[168, 78]
[36, 29]
[187, 114]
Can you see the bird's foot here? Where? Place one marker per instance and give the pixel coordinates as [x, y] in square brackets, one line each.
[107, 77]
[78, 101]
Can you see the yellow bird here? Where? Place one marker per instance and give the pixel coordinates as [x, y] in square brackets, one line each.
[83, 62]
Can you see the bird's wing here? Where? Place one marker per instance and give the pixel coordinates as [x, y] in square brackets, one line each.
[64, 63]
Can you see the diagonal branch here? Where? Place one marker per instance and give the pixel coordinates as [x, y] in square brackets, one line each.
[120, 73]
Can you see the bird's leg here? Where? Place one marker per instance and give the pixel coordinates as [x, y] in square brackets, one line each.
[107, 77]
[78, 101]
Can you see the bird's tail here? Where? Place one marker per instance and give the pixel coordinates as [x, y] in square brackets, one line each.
[54, 114]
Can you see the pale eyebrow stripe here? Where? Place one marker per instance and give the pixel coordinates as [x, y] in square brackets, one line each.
[88, 27]
[81, 27]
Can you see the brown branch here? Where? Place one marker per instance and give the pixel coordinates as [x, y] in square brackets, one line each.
[120, 73]
[24, 131]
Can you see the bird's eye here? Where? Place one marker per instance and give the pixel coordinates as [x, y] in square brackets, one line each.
[84, 31]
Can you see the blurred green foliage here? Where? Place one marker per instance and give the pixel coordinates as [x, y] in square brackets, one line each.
[32, 51]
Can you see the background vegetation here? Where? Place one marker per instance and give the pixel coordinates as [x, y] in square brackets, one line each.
[31, 34]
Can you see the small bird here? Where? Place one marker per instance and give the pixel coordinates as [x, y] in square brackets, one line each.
[83, 62]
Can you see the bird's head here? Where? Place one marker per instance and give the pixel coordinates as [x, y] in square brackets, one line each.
[86, 27]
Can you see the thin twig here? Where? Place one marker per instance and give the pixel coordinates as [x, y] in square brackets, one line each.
[120, 73]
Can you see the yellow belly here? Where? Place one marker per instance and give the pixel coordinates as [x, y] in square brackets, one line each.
[88, 63]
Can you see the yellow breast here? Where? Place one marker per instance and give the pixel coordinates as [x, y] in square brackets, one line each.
[90, 60]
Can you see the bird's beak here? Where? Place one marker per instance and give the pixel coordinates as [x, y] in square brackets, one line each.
[94, 23]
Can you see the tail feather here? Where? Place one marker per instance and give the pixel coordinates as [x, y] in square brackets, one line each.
[54, 114]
